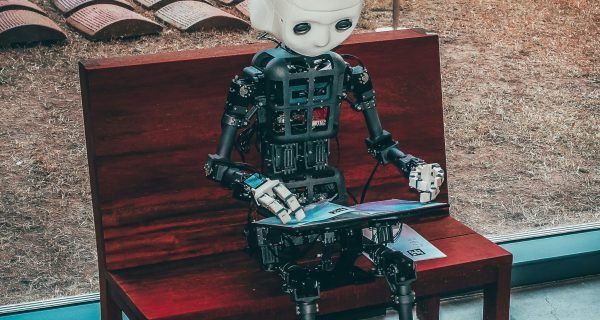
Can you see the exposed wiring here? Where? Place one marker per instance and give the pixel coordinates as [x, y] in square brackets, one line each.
[352, 57]
[352, 196]
[339, 156]
[267, 36]
[242, 142]
[238, 165]
[368, 184]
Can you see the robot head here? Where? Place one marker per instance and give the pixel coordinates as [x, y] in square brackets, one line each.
[309, 27]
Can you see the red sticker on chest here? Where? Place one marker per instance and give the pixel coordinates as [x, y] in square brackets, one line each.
[319, 117]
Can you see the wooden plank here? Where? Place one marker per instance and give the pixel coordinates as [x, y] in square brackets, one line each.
[374, 39]
[184, 236]
[437, 228]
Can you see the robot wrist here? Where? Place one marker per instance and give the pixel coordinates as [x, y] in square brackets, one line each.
[381, 146]
[255, 181]
[407, 163]
[215, 167]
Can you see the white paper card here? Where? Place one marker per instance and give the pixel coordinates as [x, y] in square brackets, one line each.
[414, 246]
[411, 244]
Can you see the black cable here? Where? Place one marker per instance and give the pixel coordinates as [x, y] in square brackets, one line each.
[267, 36]
[238, 165]
[250, 210]
[242, 157]
[352, 196]
[352, 57]
[351, 102]
[339, 156]
[366, 187]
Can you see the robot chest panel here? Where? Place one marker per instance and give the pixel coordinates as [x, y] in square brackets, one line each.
[303, 106]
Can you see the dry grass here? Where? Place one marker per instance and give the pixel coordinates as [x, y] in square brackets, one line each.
[522, 99]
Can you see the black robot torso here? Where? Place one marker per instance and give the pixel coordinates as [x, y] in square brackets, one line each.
[301, 115]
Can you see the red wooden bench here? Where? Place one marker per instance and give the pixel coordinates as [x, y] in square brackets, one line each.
[170, 243]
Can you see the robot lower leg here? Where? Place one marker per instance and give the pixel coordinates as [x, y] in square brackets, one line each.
[304, 288]
[400, 273]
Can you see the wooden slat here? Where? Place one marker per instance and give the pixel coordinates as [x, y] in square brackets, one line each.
[151, 121]
[184, 236]
[438, 228]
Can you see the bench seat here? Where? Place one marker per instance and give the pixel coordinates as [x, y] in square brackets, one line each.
[230, 286]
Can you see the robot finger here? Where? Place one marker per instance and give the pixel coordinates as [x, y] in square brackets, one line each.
[271, 204]
[438, 173]
[439, 181]
[413, 179]
[290, 200]
[430, 195]
[266, 188]
[423, 185]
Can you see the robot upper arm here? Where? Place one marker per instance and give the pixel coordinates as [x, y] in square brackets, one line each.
[245, 96]
[359, 84]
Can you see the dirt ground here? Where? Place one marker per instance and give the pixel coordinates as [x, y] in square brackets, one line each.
[522, 104]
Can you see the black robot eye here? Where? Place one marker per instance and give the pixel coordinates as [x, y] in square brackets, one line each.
[302, 28]
[343, 24]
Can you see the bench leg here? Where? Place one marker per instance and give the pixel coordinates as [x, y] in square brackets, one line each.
[109, 308]
[496, 297]
[428, 308]
[113, 311]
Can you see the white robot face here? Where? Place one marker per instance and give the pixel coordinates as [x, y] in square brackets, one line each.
[309, 27]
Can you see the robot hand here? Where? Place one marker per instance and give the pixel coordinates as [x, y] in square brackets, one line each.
[427, 180]
[276, 198]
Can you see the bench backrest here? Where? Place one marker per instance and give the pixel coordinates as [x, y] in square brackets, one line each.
[151, 121]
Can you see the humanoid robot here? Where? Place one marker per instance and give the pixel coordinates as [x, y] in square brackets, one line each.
[290, 99]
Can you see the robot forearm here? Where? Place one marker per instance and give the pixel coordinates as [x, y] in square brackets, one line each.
[380, 143]
[228, 174]
[382, 146]
[242, 93]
